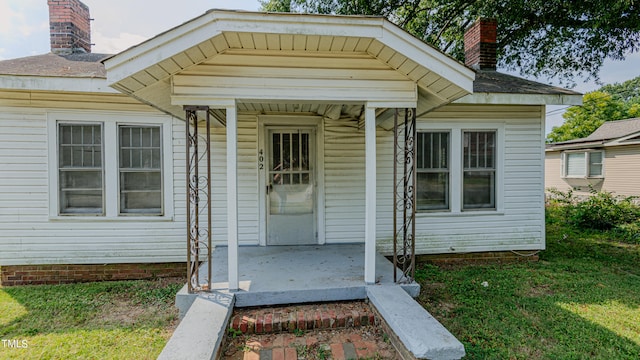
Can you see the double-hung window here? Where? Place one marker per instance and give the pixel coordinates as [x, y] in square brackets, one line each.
[479, 170]
[140, 168]
[583, 164]
[433, 170]
[109, 165]
[80, 169]
[456, 170]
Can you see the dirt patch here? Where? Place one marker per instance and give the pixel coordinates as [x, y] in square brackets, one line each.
[127, 310]
[121, 312]
[539, 291]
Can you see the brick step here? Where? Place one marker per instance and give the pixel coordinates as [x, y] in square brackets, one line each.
[301, 318]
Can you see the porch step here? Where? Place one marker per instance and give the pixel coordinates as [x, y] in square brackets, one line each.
[302, 317]
[200, 333]
[420, 335]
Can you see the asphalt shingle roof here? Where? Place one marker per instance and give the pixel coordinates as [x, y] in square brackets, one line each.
[610, 130]
[90, 65]
[615, 129]
[488, 81]
[74, 65]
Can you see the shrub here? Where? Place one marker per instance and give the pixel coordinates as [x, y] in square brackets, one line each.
[629, 233]
[600, 211]
[604, 211]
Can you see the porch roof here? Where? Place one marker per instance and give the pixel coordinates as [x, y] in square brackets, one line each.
[231, 40]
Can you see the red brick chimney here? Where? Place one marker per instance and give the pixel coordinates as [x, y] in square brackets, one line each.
[70, 27]
[480, 45]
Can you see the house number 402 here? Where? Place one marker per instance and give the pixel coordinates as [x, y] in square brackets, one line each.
[260, 159]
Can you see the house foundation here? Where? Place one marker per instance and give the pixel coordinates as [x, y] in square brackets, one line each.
[12, 275]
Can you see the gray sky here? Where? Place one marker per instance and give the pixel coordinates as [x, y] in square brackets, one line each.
[119, 24]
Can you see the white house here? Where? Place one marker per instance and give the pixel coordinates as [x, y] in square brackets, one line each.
[93, 148]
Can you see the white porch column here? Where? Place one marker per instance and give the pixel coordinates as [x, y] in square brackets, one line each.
[232, 196]
[370, 196]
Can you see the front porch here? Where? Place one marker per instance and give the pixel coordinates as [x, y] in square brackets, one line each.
[299, 274]
[304, 274]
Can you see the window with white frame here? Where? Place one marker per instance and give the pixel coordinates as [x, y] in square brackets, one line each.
[140, 168]
[583, 164]
[479, 170]
[457, 169]
[432, 155]
[109, 167]
[80, 169]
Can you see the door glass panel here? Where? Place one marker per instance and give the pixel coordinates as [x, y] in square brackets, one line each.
[291, 190]
[305, 151]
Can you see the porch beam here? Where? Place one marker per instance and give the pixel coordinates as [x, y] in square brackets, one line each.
[370, 196]
[232, 196]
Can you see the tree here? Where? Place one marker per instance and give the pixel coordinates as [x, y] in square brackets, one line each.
[580, 121]
[557, 39]
[610, 102]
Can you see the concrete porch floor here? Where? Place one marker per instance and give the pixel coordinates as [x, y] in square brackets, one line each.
[304, 274]
[299, 274]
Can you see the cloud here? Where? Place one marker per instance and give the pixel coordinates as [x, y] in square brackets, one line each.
[9, 19]
[24, 28]
[16, 18]
[114, 45]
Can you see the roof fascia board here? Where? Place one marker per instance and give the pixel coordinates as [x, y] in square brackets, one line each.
[441, 64]
[578, 146]
[158, 49]
[622, 139]
[520, 99]
[254, 18]
[49, 83]
[214, 23]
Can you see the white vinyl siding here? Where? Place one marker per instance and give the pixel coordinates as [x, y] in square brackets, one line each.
[248, 201]
[344, 181]
[29, 234]
[518, 221]
[516, 224]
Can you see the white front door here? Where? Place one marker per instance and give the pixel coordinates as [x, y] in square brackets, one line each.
[291, 195]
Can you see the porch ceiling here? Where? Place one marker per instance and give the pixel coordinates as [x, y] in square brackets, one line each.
[223, 48]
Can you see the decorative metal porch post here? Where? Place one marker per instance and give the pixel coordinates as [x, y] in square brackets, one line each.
[198, 192]
[404, 196]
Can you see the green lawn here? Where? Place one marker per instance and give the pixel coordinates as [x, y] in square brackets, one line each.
[108, 320]
[580, 301]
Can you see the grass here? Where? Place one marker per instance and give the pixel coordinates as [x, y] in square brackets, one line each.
[107, 320]
[580, 301]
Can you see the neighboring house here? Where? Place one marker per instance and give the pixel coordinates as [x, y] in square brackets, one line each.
[607, 160]
[93, 148]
